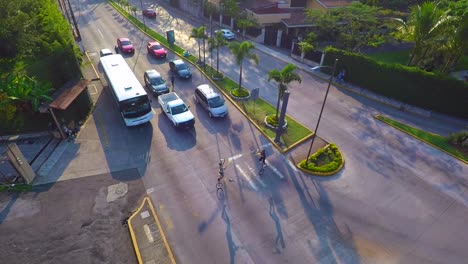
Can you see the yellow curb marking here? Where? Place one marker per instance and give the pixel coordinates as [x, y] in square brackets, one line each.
[158, 223]
[169, 251]
[100, 124]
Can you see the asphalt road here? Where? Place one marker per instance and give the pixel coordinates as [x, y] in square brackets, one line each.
[396, 201]
[70, 222]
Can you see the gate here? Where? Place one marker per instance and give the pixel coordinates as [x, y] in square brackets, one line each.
[270, 36]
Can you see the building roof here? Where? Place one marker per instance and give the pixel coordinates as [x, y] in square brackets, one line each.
[298, 19]
[69, 95]
[334, 3]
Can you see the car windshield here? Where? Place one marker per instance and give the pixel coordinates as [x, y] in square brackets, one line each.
[135, 107]
[179, 109]
[126, 43]
[156, 47]
[157, 81]
[181, 67]
[216, 102]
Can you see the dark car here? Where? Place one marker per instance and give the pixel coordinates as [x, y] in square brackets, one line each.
[154, 48]
[125, 45]
[180, 68]
[149, 12]
[155, 82]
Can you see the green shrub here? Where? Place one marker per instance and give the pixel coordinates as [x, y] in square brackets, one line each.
[332, 153]
[458, 138]
[410, 85]
[242, 92]
[271, 120]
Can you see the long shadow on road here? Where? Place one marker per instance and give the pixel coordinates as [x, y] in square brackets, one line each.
[334, 246]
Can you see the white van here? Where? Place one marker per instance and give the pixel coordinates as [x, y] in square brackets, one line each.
[210, 100]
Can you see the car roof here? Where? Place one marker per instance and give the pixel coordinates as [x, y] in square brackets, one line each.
[153, 73]
[154, 43]
[208, 91]
[123, 39]
[178, 62]
[105, 52]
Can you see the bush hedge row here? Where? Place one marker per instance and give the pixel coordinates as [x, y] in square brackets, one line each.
[410, 85]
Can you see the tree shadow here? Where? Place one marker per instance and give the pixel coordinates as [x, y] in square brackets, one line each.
[320, 215]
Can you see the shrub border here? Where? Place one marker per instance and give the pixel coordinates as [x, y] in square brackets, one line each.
[323, 174]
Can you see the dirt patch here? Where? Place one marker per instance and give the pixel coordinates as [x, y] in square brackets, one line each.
[69, 222]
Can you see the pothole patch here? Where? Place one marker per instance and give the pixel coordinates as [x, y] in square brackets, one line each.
[116, 191]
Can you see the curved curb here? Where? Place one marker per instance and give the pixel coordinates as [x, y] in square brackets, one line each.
[422, 140]
[158, 223]
[132, 233]
[323, 174]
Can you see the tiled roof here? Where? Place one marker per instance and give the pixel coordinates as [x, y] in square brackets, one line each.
[298, 18]
[334, 3]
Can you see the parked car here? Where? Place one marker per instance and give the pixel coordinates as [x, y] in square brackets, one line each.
[227, 34]
[105, 52]
[154, 48]
[155, 82]
[210, 100]
[125, 45]
[149, 12]
[179, 68]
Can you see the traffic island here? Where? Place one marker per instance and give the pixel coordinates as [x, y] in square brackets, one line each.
[148, 238]
[327, 161]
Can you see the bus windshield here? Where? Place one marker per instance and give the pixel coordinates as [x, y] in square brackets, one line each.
[135, 107]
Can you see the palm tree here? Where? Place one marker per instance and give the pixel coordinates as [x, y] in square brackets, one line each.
[210, 9]
[426, 25]
[283, 78]
[216, 43]
[242, 50]
[199, 34]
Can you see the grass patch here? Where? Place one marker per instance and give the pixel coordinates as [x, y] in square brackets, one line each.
[259, 109]
[433, 139]
[394, 57]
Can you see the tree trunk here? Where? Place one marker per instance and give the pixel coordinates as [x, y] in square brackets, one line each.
[240, 75]
[279, 99]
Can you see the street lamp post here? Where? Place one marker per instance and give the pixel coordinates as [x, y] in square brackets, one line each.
[321, 110]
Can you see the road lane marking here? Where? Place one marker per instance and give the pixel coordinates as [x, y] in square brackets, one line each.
[275, 170]
[247, 177]
[252, 170]
[100, 33]
[292, 165]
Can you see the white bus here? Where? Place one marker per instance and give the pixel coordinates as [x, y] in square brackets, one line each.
[132, 99]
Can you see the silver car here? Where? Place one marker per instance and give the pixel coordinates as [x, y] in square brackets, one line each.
[210, 101]
[155, 82]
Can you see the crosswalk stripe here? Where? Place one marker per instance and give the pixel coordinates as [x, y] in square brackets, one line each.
[247, 177]
[252, 170]
[291, 165]
[275, 170]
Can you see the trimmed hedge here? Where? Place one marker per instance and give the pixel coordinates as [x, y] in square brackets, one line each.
[411, 85]
[331, 151]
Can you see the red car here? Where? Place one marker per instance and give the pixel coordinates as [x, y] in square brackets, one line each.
[149, 12]
[125, 45]
[155, 49]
